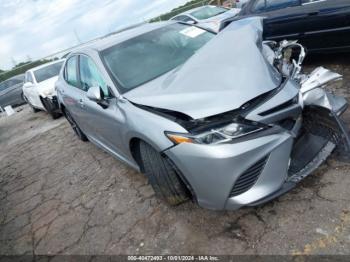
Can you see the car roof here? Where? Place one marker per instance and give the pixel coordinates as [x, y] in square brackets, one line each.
[111, 40]
[45, 65]
[193, 10]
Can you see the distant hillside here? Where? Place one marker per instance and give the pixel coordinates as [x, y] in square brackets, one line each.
[189, 5]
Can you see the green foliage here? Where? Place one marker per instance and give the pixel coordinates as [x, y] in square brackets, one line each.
[189, 5]
[21, 68]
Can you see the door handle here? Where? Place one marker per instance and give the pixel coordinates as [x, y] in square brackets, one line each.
[313, 13]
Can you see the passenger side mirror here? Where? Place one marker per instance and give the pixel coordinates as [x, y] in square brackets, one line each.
[27, 84]
[95, 94]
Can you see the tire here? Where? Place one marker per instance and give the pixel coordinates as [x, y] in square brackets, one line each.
[162, 176]
[55, 115]
[75, 127]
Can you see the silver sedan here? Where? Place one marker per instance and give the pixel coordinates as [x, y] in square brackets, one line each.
[209, 16]
[226, 127]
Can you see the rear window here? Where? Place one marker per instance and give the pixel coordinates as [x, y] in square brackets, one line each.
[208, 11]
[47, 72]
[148, 56]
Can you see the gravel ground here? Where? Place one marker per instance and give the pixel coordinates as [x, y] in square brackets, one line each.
[62, 196]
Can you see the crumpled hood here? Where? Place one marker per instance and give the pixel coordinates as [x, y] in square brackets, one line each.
[227, 72]
[47, 85]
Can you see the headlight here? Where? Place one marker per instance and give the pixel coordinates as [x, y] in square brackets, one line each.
[217, 135]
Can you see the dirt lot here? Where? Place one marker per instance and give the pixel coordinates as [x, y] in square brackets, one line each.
[62, 196]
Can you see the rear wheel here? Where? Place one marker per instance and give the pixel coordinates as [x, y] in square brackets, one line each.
[75, 126]
[162, 176]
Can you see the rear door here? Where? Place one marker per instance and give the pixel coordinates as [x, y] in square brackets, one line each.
[327, 25]
[73, 94]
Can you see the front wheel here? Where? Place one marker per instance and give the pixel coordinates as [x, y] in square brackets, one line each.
[53, 114]
[75, 126]
[162, 176]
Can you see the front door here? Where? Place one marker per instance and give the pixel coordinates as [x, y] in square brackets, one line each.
[105, 123]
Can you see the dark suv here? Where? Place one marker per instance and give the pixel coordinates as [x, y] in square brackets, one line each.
[320, 25]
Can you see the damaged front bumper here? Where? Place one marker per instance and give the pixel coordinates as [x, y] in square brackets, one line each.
[260, 168]
[51, 104]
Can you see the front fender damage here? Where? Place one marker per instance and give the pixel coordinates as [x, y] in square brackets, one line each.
[322, 130]
[315, 96]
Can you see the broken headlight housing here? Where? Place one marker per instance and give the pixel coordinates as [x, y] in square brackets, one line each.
[218, 135]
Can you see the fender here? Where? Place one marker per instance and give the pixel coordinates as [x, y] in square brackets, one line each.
[314, 94]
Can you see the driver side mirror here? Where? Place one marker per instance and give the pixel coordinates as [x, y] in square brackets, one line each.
[27, 84]
[191, 22]
[95, 94]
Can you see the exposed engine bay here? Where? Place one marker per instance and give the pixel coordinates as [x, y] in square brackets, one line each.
[322, 128]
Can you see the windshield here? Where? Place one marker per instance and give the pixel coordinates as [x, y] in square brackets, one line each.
[47, 72]
[148, 56]
[207, 12]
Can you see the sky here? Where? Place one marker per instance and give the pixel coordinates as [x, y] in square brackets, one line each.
[32, 29]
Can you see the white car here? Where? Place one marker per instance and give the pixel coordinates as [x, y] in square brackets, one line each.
[39, 88]
[209, 16]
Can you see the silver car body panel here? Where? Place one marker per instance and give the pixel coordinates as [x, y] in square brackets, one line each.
[213, 170]
[199, 89]
[219, 78]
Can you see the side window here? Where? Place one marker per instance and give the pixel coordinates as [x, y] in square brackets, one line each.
[279, 4]
[70, 72]
[187, 19]
[29, 78]
[270, 5]
[178, 18]
[90, 76]
[259, 6]
[310, 1]
[184, 18]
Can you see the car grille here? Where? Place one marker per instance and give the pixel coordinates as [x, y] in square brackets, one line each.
[247, 180]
